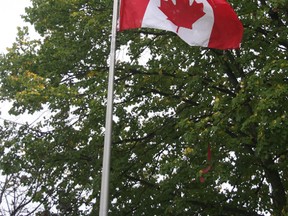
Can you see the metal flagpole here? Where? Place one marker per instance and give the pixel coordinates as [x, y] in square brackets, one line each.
[104, 197]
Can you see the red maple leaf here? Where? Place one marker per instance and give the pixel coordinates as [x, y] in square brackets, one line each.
[182, 14]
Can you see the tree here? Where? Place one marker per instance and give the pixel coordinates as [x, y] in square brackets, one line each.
[14, 199]
[167, 111]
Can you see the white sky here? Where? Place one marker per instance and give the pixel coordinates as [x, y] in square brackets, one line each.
[10, 18]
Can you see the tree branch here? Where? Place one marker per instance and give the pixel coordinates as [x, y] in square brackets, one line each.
[278, 190]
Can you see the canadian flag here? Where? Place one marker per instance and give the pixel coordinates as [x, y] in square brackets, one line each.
[207, 23]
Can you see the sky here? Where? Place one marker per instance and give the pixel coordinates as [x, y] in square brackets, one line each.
[10, 18]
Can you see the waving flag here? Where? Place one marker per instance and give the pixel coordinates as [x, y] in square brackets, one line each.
[207, 23]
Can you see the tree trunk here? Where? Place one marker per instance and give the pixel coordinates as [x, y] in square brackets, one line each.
[278, 191]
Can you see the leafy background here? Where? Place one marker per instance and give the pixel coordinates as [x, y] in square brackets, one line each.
[168, 109]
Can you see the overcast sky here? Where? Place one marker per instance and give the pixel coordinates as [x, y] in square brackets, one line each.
[10, 18]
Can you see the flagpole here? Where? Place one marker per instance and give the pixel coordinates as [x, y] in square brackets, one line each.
[104, 196]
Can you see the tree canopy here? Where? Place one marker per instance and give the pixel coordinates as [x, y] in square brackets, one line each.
[171, 102]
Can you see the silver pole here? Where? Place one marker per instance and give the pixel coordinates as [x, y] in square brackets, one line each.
[104, 198]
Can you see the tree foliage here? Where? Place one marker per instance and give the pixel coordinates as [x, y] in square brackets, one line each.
[167, 111]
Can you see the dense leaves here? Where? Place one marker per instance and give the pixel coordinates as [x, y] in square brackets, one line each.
[171, 102]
